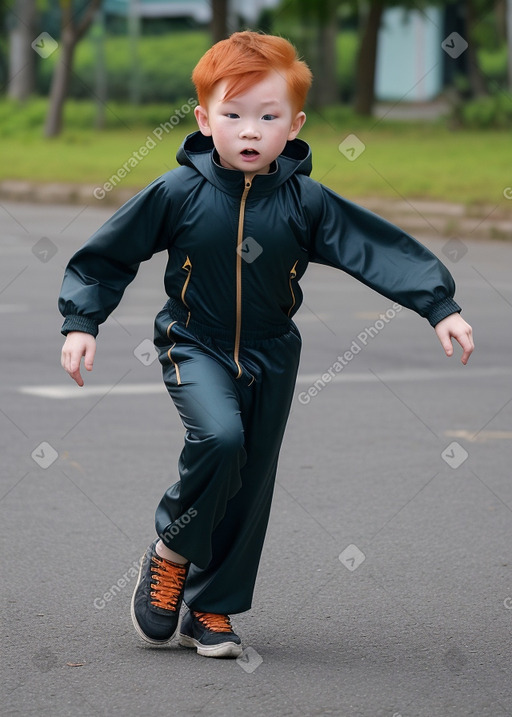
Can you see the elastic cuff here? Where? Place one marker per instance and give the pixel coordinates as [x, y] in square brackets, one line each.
[79, 323]
[442, 309]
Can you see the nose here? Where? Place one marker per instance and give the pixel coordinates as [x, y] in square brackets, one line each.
[249, 132]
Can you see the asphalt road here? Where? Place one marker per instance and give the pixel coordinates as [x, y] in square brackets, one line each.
[385, 587]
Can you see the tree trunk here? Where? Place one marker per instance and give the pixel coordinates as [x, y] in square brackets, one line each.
[509, 41]
[325, 86]
[476, 79]
[22, 67]
[219, 20]
[500, 19]
[71, 34]
[366, 62]
[60, 84]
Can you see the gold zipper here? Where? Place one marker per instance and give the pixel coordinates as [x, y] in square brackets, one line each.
[239, 243]
[293, 274]
[176, 367]
[188, 268]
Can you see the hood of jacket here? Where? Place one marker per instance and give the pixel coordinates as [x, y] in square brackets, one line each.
[198, 152]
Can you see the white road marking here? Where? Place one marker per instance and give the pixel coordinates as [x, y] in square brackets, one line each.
[306, 379]
[67, 392]
[481, 436]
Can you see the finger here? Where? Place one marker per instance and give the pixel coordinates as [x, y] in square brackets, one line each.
[467, 346]
[446, 343]
[64, 360]
[89, 357]
[77, 376]
[74, 371]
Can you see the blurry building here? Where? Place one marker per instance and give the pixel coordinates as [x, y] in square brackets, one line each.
[198, 10]
[419, 52]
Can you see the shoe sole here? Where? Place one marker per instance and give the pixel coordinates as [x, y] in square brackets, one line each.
[136, 625]
[226, 649]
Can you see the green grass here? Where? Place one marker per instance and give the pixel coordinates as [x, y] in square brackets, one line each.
[413, 160]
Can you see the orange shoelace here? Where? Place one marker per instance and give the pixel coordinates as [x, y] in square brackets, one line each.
[168, 583]
[213, 622]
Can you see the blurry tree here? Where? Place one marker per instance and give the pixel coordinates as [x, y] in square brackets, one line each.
[72, 31]
[312, 25]
[322, 49]
[509, 41]
[475, 11]
[367, 59]
[219, 24]
[500, 19]
[22, 58]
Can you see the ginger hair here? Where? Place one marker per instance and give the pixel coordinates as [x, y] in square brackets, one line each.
[244, 59]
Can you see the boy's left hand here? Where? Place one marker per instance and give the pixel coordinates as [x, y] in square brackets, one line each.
[454, 326]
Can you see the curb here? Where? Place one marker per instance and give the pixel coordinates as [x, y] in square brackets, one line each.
[422, 217]
[61, 193]
[419, 217]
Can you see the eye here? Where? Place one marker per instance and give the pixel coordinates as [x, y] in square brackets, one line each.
[232, 115]
[269, 117]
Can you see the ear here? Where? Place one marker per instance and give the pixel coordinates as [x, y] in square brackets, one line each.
[201, 115]
[296, 126]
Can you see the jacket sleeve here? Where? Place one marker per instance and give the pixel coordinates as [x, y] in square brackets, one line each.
[382, 256]
[97, 275]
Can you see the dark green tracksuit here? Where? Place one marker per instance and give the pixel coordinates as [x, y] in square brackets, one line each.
[228, 347]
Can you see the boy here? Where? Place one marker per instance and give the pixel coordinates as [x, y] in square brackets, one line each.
[240, 219]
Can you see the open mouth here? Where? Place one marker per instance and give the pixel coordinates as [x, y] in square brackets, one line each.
[249, 152]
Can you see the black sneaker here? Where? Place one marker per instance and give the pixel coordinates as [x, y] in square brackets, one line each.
[157, 597]
[211, 634]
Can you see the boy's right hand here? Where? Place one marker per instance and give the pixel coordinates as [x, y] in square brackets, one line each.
[76, 345]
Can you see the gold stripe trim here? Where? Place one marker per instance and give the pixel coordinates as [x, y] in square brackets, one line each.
[293, 274]
[176, 367]
[188, 268]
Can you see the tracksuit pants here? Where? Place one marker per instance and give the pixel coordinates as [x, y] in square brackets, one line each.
[216, 515]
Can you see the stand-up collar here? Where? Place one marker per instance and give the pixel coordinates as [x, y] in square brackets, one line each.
[199, 152]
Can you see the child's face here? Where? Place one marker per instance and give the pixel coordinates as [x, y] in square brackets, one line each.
[250, 131]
